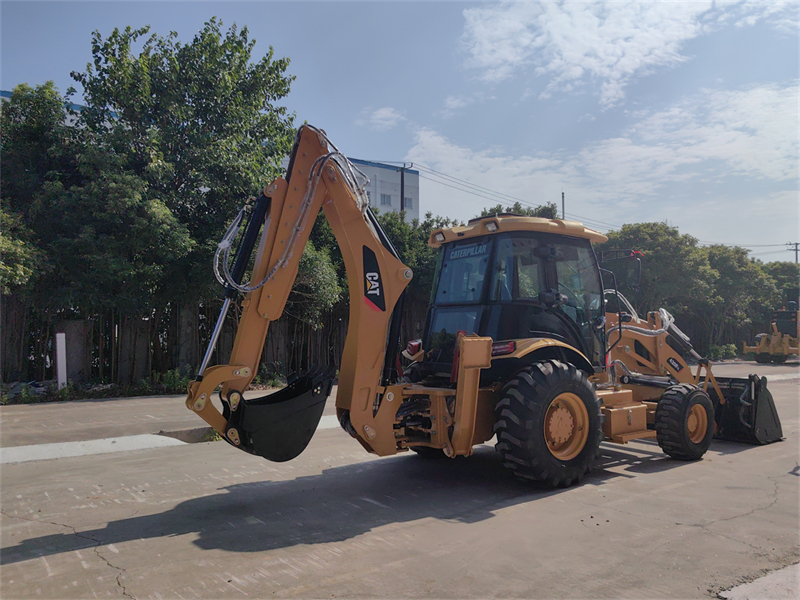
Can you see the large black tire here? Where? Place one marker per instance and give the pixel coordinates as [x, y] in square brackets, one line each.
[763, 357]
[548, 424]
[778, 358]
[684, 422]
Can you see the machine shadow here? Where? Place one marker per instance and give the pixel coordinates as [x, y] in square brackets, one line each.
[341, 503]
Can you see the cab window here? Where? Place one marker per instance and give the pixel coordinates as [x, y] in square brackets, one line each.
[518, 273]
[462, 274]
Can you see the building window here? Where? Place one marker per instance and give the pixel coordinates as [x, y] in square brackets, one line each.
[409, 203]
[386, 199]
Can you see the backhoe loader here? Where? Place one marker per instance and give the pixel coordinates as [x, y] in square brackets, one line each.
[782, 340]
[515, 345]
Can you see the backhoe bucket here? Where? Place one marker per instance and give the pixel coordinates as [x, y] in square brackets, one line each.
[279, 426]
[748, 414]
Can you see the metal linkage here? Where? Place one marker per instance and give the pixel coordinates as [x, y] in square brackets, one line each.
[353, 177]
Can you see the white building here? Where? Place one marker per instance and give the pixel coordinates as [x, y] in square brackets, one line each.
[384, 186]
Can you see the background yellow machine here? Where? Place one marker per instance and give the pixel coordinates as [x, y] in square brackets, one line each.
[517, 343]
[781, 342]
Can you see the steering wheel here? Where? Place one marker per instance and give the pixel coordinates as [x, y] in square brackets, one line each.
[571, 296]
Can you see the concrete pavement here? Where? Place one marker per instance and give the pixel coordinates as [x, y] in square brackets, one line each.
[206, 521]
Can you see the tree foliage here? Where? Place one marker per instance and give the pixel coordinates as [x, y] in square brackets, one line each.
[675, 270]
[547, 210]
[19, 258]
[787, 279]
[89, 236]
[741, 286]
[199, 123]
[713, 291]
[317, 287]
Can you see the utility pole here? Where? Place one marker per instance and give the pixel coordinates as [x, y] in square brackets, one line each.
[796, 249]
[563, 218]
[403, 187]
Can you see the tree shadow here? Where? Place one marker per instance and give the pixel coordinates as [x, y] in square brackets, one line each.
[342, 503]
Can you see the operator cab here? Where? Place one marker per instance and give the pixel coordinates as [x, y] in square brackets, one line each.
[513, 285]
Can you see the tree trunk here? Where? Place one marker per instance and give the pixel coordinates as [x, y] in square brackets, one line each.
[134, 350]
[13, 322]
[188, 338]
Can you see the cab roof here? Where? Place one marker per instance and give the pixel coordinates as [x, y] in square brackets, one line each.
[495, 224]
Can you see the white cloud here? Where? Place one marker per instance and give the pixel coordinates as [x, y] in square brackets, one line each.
[382, 119]
[754, 131]
[610, 43]
[454, 104]
[710, 139]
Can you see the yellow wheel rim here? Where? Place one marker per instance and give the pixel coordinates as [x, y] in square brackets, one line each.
[697, 424]
[566, 426]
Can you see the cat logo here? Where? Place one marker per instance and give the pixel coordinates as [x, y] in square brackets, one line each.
[373, 284]
[674, 364]
[373, 288]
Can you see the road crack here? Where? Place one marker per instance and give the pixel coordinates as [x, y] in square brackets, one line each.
[82, 536]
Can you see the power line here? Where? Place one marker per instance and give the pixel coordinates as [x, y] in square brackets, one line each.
[467, 187]
[496, 196]
[466, 191]
[464, 182]
[745, 245]
[773, 252]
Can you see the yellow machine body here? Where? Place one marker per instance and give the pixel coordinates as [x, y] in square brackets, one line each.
[387, 415]
[781, 342]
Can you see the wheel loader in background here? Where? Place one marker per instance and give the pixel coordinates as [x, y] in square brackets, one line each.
[780, 343]
[516, 343]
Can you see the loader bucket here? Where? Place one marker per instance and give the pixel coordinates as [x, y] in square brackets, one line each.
[280, 425]
[748, 414]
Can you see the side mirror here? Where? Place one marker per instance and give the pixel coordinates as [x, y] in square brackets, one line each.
[630, 271]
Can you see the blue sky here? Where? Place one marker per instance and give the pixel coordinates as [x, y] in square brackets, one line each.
[678, 111]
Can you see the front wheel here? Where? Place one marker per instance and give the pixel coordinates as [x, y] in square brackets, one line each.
[684, 422]
[549, 424]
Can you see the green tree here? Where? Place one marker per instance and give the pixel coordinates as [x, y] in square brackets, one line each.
[197, 122]
[316, 289]
[675, 270]
[109, 241]
[786, 276]
[20, 259]
[546, 211]
[740, 289]
[37, 148]
[92, 235]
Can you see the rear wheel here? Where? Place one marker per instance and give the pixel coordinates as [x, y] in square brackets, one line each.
[763, 357]
[778, 358]
[549, 424]
[684, 422]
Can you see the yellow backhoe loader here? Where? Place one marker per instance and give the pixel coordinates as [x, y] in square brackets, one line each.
[781, 342]
[515, 344]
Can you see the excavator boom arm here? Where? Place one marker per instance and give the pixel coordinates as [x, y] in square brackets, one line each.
[318, 178]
